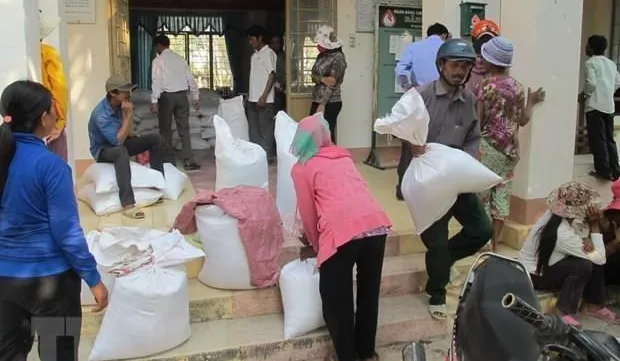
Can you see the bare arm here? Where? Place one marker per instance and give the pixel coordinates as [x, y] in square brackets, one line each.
[125, 130]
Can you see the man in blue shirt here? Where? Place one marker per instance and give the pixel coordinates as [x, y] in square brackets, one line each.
[112, 141]
[417, 67]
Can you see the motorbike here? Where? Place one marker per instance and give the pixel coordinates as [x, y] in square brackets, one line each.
[499, 318]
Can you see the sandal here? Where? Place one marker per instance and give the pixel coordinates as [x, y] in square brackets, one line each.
[604, 314]
[438, 312]
[134, 213]
[571, 321]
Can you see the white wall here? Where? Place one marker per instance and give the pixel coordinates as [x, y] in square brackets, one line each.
[88, 68]
[355, 120]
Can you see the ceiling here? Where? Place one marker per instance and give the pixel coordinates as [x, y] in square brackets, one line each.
[208, 5]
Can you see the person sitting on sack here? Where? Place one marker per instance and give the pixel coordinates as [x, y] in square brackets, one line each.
[346, 226]
[453, 122]
[564, 251]
[111, 140]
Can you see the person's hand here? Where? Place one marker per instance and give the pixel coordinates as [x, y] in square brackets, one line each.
[320, 109]
[307, 252]
[304, 240]
[593, 216]
[196, 104]
[588, 245]
[53, 135]
[418, 150]
[329, 81]
[154, 108]
[100, 293]
[537, 96]
[262, 101]
[127, 107]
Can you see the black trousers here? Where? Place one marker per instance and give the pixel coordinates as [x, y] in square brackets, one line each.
[332, 110]
[353, 332]
[120, 157]
[574, 278]
[49, 306]
[442, 252]
[600, 128]
[403, 163]
[612, 270]
[175, 104]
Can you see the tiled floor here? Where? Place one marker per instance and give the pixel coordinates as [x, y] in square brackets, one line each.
[381, 183]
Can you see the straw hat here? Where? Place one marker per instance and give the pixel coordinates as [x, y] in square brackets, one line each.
[572, 199]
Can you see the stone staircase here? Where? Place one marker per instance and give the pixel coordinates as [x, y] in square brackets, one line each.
[248, 325]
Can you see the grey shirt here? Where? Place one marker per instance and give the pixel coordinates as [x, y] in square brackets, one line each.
[453, 117]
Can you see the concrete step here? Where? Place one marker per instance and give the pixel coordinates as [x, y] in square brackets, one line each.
[401, 319]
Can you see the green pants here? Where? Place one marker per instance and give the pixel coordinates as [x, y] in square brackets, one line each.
[443, 252]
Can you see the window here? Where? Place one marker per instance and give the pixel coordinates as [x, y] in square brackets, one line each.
[305, 17]
[207, 56]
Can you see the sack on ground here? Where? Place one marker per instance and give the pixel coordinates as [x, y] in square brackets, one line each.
[103, 176]
[226, 265]
[301, 299]
[176, 182]
[148, 314]
[408, 120]
[238, 162]
[108, 203]
[286, 199]
[233, 111]
[433, 181]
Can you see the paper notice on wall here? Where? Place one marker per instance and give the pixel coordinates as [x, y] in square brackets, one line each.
[394, 44]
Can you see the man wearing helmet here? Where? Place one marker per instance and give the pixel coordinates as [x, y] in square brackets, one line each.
[453, 122]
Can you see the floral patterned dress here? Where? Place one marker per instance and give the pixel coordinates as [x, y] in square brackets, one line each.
[503, 100]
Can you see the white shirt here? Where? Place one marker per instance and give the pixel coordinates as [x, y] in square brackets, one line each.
[568, 243]
[602, 81]
[171, 74]
[262, 64]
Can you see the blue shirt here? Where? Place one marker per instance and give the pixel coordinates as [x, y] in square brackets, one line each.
[40, 232]
[418, 62]
[103, 127]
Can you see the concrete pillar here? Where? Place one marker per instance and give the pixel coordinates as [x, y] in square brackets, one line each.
[547, 39]
[59, 40]
[20, 46]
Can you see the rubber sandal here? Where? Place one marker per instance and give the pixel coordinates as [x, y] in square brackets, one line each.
[604, 314]
[570, 320]
[134, 213]
[438, 312]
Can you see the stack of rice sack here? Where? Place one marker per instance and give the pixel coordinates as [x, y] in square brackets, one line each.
[98, 188]
[201, 130]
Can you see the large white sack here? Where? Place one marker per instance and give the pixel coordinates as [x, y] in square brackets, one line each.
[176, 182]
[408, 119]
[237, 161]
[103, 176]
[301, 299]
[434, 180]
[233, 111]
[148, 314]
[286, 199]
[226, 265]
[108, 203]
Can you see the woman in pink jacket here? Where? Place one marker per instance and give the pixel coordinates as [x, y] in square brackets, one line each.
[345, 226]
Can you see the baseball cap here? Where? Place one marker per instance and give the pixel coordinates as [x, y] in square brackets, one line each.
[119, 83]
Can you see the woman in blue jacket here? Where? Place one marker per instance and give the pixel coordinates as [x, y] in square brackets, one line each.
[43, 252]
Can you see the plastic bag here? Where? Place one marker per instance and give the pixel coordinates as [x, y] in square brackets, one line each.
[301, 299]
[286, 199]
[233, 111]
[238, 162]
[433, 181]
[226, 265]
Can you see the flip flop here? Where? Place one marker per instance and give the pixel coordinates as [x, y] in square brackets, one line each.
[571, 321]
[134, 213]
[604, 314]
[438, 312]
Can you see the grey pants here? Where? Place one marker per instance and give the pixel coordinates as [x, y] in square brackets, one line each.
[177, 105]
[120, 157]
[261, 124]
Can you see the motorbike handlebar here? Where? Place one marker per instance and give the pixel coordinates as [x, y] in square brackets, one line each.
[545, 326]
